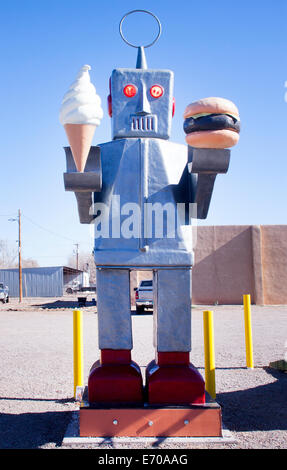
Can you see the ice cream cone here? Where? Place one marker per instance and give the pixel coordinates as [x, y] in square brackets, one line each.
[80, 137]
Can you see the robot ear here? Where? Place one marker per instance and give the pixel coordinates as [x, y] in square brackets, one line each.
[110, 105]
[173, 106]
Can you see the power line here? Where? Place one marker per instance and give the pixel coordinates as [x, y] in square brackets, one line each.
[7, 215]
[47, 230]
[49, 256]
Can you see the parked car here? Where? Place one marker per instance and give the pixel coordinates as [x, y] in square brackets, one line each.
[144, 295]
[4, 293]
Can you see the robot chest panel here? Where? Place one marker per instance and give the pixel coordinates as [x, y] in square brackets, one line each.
[142, 170]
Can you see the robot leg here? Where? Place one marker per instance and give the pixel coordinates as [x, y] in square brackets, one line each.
[171, 378]
[115, 378]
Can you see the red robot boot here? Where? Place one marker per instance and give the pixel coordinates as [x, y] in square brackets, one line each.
[172, 380]
[115, 379]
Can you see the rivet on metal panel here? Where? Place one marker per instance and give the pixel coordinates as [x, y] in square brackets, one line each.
[145, 248]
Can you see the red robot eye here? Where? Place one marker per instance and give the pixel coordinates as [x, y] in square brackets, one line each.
[130, 91]
[110, 111]
[156, 91]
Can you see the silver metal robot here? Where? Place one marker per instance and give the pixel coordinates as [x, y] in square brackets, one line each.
[138, 191]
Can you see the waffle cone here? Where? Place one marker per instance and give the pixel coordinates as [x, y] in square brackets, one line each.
[80, 138]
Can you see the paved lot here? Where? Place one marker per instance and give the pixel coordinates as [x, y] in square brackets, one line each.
[36, 361]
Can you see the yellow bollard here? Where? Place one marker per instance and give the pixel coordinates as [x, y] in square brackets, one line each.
[248, 331]
[78, 349]
[209, 353]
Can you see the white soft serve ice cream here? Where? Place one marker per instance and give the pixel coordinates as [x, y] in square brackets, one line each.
[80, 114]
[81, 104]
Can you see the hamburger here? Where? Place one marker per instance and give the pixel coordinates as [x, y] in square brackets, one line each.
[211, 123]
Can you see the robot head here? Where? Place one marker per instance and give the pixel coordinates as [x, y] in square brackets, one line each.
[141, 103]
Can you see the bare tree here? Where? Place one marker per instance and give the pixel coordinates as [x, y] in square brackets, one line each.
[9, 257]
[29, 263]
[86, 263]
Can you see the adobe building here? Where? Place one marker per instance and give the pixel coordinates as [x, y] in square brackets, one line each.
[232, 260]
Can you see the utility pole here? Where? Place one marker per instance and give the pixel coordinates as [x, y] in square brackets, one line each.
[19, 253]
[20, 258]
[77, 255]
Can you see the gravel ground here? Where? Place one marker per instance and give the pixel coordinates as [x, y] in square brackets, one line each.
[36, 361]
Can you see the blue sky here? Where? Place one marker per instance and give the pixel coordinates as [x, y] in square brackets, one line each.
[236, 50]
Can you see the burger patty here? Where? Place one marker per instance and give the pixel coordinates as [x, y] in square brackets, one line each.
[212, 122]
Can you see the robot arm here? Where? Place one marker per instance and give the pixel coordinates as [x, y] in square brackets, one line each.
[84, 184]
[203, 166]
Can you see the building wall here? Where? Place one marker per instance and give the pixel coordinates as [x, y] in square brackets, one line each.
[223, 268]
[233, 260]
[274, 263]
[36, 282]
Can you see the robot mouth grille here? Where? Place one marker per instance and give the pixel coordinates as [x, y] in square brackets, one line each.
[144, 123]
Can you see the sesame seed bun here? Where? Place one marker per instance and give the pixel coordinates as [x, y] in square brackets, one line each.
[211, 105]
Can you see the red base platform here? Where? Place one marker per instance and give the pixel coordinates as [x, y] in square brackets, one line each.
[151, 421]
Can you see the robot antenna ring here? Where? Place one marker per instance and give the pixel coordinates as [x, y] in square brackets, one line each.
[140, 11]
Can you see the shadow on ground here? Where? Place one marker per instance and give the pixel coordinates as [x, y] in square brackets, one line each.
[66, 304]
[32, 430]
[261, 408]
[72, 304]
